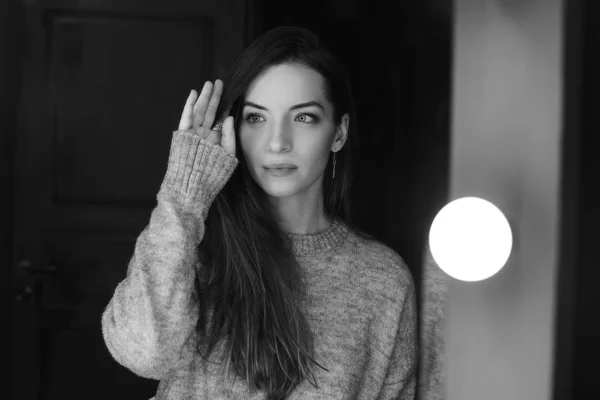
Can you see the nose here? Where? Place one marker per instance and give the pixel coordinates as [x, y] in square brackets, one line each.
[279, 138]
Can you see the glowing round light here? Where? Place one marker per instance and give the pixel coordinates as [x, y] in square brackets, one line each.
[470, 239]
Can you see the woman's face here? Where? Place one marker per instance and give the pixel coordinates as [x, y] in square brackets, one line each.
[287, 119]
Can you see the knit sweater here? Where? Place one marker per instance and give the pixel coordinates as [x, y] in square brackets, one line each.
[360, 300]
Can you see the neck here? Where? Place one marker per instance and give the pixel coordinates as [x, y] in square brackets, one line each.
[302, 214]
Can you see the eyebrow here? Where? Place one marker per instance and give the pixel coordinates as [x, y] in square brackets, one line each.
[297, 106]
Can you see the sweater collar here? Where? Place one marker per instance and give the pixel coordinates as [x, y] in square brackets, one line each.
[320, 242]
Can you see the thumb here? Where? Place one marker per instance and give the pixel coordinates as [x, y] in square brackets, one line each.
[228, 137]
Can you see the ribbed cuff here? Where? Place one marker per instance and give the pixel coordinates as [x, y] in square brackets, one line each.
[197, 169]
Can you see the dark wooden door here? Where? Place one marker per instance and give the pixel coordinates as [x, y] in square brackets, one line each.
[103, 83]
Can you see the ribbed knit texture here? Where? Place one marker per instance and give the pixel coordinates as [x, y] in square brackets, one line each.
[313, 244]
[360, 300]
[196, 169]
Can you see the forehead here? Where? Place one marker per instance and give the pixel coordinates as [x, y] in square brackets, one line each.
[285, 85]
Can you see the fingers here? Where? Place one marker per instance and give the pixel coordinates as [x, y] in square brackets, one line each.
[228, 136]
[223, 117]
[201, 104]
[199, 114]
[213, 137]
[187, 116]
[213, 104]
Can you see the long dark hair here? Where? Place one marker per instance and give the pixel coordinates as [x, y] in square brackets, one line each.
[249, 276]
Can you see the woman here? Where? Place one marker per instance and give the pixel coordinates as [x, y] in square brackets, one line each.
[249, 281]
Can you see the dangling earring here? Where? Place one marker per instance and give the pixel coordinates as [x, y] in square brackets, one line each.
[333, 166]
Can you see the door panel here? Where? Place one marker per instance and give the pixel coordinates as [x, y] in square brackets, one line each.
[102, 88]
[99, 86]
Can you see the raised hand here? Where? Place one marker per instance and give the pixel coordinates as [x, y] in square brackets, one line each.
[199, 115]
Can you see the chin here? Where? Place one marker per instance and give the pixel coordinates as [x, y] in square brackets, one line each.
[280, 190]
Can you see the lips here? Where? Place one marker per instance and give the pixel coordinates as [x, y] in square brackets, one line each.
[280, 166]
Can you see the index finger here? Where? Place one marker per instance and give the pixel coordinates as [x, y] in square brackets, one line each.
[187, 114]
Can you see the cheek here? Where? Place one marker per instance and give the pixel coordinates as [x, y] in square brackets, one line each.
[246, 145]
[317, 154]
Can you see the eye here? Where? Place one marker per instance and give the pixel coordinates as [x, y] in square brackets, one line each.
[253, 118]
[307, 115]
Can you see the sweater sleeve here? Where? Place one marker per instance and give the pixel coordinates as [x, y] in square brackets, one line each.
[401, 379]
[153, 311]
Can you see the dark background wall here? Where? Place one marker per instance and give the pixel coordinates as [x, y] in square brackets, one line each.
[586, 348]
[9, 78]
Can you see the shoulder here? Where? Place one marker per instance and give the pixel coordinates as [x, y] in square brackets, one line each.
[378, 258]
